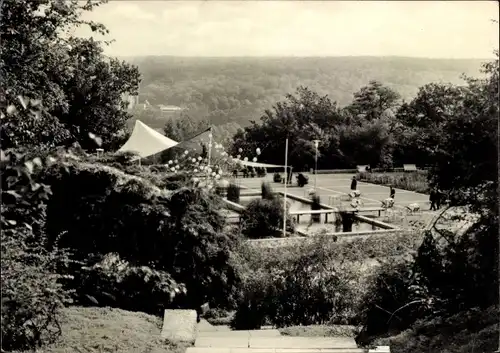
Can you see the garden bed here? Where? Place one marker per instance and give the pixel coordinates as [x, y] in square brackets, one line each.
[414, 181]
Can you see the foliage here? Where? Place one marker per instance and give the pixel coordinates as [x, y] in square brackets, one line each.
[236, 90]
[263, 218]
[267, 191]
[119, 284]
[233, 193]
[372, 248]
[393, 301]
[304, 290]
[32, 295]
[315, 206]
[415, 181]
[179, 233]
[82, 90]
[347, 136]
[470, 331]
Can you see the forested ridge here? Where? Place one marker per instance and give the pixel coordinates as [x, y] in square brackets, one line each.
[239, 90]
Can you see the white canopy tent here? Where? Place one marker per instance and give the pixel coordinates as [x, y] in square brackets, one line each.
[146, 142]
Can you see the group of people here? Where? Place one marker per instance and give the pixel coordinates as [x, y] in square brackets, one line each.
[435, 197]
[354, 186]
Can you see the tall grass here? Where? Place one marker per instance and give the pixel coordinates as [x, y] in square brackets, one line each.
[415, 181]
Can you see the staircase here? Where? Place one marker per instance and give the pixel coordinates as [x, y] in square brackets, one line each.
[180, 325]
[270, 341]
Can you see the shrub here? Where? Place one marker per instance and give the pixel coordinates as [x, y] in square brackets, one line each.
[233, 193]
[393, 301]
[469, 331]
[252, 310]
[264, 218]
[315, 206]
[178, 233]
[304, 290]
[32, 295]
[416, 181]
[267, 191]
[116, 283]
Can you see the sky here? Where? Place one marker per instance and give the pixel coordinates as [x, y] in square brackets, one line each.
[432, 29]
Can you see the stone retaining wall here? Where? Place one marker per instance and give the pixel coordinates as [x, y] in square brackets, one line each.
[293, 241]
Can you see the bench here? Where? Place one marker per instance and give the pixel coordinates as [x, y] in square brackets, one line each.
[312, 212]
[409, 167]
[365, 209]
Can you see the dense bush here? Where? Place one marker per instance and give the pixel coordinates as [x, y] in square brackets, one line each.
[117, 283]
[263, 218]
[267, 192]
[233, 193]
[32, 295]
[393, 301]
[102, 210]
[316, 206]
[470, 331]
[304, 290]
[415, 181]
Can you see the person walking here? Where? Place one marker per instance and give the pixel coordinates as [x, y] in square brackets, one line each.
[439, 198]
[392, 192]
[354, 183]
[432, 199]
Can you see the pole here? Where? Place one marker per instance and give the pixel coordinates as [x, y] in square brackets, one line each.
[286, 182]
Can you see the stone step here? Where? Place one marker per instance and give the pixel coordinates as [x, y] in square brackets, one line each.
[275, 342]
[272, 350]
[382, 349]
[179, 325]
[242, 333]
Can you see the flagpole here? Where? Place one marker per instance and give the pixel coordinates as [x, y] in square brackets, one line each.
[284, 194]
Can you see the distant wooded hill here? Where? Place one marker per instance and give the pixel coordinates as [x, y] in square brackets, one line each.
[237, 90]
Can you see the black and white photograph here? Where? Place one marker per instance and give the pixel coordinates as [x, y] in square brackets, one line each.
[249, 176]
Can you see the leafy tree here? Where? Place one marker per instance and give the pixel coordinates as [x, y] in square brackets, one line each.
[301, 118]
[80, 88]
[371, 101]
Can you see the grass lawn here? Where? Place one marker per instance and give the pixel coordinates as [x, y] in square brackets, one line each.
[92, 330]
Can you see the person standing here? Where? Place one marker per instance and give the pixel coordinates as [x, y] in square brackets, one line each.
[392, 192]
[432, 199]
[439, 198]
[354, 183]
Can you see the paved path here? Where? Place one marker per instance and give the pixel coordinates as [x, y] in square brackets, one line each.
[211, 340]
[339, 184]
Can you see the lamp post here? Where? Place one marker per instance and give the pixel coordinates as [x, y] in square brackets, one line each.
[316, 144]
